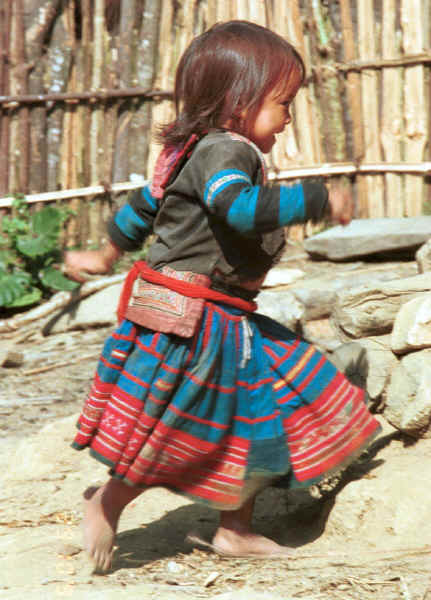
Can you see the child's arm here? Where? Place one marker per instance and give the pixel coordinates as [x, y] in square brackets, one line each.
[79, 263]
[340, 203]
[230, 194]
[127, 230]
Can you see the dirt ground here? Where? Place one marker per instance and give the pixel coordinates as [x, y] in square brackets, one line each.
[336, 555]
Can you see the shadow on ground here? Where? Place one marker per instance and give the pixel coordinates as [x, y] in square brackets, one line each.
[292, 518]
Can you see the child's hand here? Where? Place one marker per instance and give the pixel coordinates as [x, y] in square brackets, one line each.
[93, 262]
[341, 204]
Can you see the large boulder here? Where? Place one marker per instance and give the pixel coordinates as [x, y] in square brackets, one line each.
[371, 309]
[412, 327]
[367, 363]
[281, 306]
[363, 237]
[408, 396]
[318, 294]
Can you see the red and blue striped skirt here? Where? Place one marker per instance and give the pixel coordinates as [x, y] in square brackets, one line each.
[218, 416]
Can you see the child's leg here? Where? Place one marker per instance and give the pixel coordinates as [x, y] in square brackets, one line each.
[235, 537]
[102, 509]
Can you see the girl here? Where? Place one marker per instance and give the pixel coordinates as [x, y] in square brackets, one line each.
[194, 390]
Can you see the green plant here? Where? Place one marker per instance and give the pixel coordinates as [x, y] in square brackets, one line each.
[29, 249]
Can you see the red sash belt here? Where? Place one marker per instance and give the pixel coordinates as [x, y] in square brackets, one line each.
[192, 290]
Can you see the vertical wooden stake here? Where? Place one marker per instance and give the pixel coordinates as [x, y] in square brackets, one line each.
[412, 18]
[5, 27]
[391, 127]
[370, 105]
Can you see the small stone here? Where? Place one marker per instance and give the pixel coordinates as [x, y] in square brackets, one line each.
[68, 550]
[211, 578]
[174, 567]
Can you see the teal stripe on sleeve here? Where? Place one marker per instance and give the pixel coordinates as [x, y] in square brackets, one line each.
[150, 200]
[242, 212]
[129, 223]
[292, 204]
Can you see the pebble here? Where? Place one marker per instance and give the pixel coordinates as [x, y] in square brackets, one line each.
[174, 567]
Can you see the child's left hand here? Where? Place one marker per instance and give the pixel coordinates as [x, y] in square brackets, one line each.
[341, 204]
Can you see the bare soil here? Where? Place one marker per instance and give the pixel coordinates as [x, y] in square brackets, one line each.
[40, 539]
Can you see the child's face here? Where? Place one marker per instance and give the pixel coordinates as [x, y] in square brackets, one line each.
[273, 115]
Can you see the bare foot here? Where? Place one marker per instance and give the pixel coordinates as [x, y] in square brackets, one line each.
[102, 510]
[235, 536]
[231, 542]
[99, 528]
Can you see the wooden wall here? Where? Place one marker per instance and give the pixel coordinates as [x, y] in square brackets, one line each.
[83, 84]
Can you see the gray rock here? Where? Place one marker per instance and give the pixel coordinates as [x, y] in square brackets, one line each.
[380, 361]
[367, 363]
[408, 397]
[423, 257]
[281, 306]
[350, 359]
[10, 356]
[320, 333]
[97, 310]
[412, 327]
[371, 309]
[364, 237]
[281, 276]
[318, 294]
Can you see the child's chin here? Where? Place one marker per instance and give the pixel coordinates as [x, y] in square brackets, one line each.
[265, 148]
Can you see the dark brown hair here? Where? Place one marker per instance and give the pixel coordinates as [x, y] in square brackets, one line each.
[224, 71]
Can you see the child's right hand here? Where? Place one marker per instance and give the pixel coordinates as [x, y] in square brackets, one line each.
[91, 262]
[341, 204]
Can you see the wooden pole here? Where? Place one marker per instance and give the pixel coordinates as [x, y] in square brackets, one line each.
[40, 23]
[69, 147]
[146, 72]
[24, 113]
[391, 128]
[96, 82]
[332, 125]
[163, 110]
[5, 27]
[126, 50]
[370, 106]
[412, 19]
[19, 131]
[84, 70]
[354, 116]
[58, 64]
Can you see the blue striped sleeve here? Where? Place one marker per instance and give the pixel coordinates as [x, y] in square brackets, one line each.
[221, 180]
[242, 212]
[133, 222]
[292, 204]
[130, 223]
[248, 208]
[232, 191]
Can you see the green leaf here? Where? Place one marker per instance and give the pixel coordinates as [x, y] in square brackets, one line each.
[6, 258]
[54, 279]
[34, 246]
[46, 221]
[22, 277]
[31, 297]
[11, 288]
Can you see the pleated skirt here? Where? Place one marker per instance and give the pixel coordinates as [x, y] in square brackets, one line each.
[240, 405]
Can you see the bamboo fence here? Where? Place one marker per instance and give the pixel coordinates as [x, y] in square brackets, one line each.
[84, 84]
